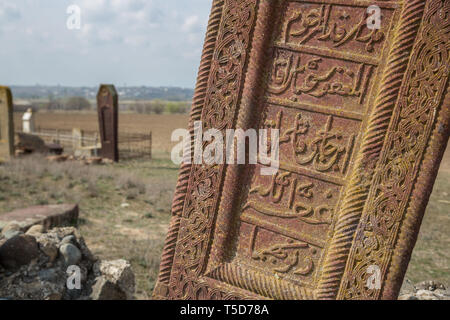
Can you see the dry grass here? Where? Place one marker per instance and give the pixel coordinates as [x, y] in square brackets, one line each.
[112, 230]
[431, 256]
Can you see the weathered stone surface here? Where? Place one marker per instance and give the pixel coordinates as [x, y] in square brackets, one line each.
[45, 276]
[50, 249]
[36, 230]
[119, 274]
[426, 290]
[10, 226]
[104, 289]
[108, 116]
[11, 234]
[77, 138]
[48, 216]
[363, 118]
[70, 253]
[69, 239]
[429, 286]
[18, 251]
[6, 125]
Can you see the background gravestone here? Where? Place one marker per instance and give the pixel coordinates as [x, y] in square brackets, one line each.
[107, 107]
[77, 138]
[28, 121]
[363, 115]
[6, 124]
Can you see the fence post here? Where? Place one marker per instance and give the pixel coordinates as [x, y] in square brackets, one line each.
[96, 144]
[77, 138]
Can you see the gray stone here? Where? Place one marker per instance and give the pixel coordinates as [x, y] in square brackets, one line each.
[10, 226]
[119, 272]
[104, 289]
[442, 294]
[69, 239]
[427, 295]
[71, 254]
[407, 287]
[48, 275]
[11, 234]
[42, 280]
[429, 285]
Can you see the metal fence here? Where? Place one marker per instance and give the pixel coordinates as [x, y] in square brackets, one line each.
[131, 145]
[135, 145]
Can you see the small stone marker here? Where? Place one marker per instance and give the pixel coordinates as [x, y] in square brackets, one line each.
[6, 124]
[363, 115]
[108, 114]
[28, 121]
[77, 138]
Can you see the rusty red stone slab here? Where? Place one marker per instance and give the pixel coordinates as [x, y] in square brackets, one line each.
[108, 117]
[363, 116]
[49, 216]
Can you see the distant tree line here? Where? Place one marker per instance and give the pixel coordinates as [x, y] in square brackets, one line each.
[160, 107]
[126, 92]
[71, 103]
[80, 103]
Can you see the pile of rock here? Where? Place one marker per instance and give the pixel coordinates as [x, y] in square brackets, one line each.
[56, 265]
[426, 290]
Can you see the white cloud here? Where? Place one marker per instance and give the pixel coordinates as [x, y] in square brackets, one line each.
[107, 34]
[159, 42]
[115, 20]
[9, 12]
[191, 23]
[136, 40]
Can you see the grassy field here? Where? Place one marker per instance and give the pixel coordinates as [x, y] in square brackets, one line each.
[125, 207]
[431, 256]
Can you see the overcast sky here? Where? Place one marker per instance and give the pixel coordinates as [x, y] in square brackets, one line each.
[132, 42]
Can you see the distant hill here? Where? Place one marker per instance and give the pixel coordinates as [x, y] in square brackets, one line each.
[125, 93]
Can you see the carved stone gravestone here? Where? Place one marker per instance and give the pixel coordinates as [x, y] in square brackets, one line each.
[363, 118]
[6, 124]
[108, 116]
